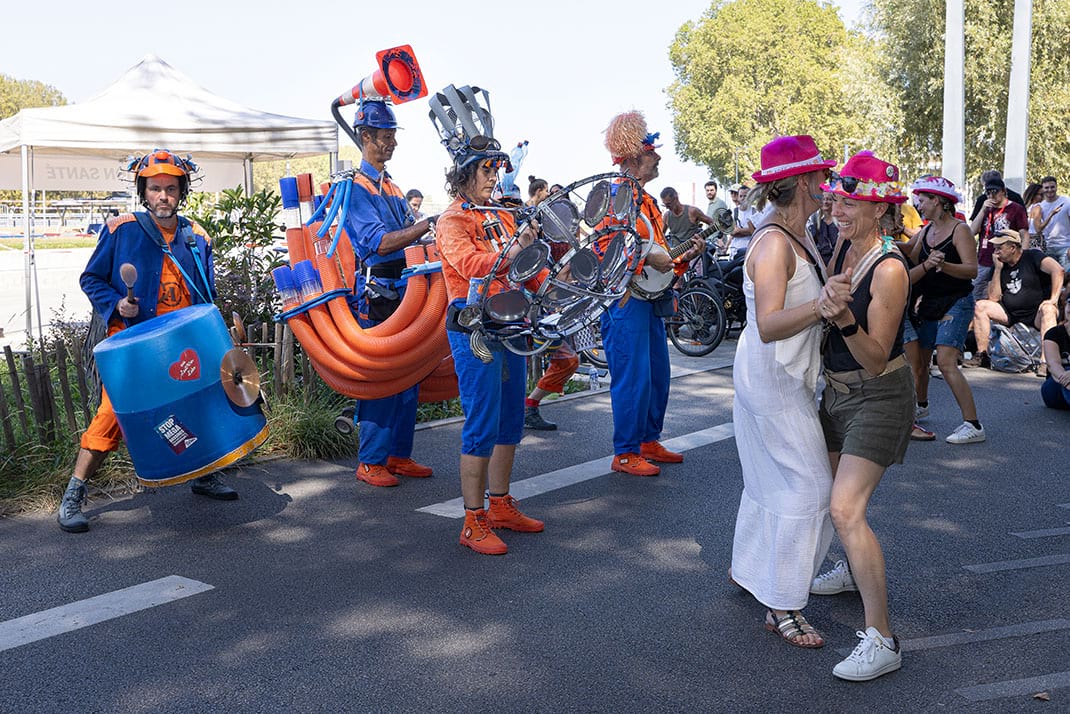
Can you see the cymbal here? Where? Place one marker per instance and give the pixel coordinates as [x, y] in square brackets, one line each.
[241, 380]
[238, 331]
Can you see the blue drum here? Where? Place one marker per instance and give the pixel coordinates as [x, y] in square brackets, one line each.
[163, 378]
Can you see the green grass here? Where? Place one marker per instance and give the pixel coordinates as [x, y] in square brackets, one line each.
[64, 242]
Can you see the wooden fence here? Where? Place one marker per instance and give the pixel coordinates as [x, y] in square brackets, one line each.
[48, 395]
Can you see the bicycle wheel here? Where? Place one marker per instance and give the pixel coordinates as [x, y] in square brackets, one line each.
[699, 324]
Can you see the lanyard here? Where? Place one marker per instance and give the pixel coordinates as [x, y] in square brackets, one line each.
[149, 226]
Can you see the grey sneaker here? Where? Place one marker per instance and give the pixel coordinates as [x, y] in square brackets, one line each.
[534, 420]
[70, 516]
[871, 658]
[212, 487]
[967, 433]
[920, 412]
[835, 581]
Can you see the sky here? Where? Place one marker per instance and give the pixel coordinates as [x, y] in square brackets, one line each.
[557, 70]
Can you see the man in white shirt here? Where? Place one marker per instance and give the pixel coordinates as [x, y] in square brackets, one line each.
[1055, 222]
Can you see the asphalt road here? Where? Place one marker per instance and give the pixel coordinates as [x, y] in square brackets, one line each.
[330, 595]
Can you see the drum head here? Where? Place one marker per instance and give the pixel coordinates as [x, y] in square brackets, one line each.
[528, 262]
[506, 307]
[559, 220]
[614, 262]
[584, 268]
[597, 204]
[576, 316]
[623, 202]
[722, 220]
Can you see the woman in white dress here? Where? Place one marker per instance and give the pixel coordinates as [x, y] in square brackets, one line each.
[783, 527]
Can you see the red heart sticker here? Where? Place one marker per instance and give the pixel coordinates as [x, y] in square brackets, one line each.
[187, 368]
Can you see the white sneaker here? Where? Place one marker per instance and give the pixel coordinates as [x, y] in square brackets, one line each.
[967, 433]
[871, 658]
[920, 412]
[835, 581]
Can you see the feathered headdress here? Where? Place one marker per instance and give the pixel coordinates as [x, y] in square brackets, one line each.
[627, 136]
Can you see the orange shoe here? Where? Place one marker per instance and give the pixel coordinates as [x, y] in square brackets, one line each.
[654, 451]
[407, 467]
[477, 535]
[504, 513]
[376, 475]
[635, 465]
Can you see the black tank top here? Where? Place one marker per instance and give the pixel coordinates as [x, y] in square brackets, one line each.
[940, 284]
[838, 357]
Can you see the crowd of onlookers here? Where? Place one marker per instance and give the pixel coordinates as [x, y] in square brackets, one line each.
[1015, 253]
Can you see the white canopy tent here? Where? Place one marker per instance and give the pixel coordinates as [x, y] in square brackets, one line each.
[152, 105]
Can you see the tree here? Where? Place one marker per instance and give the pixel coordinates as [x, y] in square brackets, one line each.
[16, 94]
[750, 70]
[911, 36]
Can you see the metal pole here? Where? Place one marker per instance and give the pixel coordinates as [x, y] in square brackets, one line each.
[1014, 157]
[27, 238]
[953, 150]
[248, 164]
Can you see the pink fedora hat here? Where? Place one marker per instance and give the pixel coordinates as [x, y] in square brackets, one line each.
[788, 156]
[866, 178]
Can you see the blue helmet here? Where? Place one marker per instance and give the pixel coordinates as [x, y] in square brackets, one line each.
[375, 115]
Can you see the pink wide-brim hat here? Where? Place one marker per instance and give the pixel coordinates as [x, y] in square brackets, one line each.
[789, 156]
[878, 181]
[937, 185]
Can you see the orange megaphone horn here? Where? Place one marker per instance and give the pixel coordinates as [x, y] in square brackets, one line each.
[398, 79]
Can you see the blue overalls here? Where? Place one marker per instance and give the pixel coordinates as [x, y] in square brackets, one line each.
[377, 207]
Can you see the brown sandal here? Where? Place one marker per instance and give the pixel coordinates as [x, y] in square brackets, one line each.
[790, 627]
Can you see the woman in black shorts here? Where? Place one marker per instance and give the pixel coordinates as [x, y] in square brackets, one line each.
[868, 405]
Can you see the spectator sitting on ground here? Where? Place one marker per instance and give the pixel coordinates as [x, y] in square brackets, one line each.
[1056, 388]
[1025, 288]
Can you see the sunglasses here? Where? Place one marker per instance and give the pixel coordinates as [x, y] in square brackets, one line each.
[847, 183]
[992, 191]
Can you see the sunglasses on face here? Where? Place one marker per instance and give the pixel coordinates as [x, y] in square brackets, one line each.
[991, 191]
[847, 183]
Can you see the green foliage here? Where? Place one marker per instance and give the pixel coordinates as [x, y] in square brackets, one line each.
[911, 38]
[301, 424]
[433, 411]
[266, 174]
[243, 229]
[750, 70]
[18, 94]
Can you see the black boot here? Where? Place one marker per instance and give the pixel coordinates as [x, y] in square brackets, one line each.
[212, 487]
[70, 516]
[534, 420]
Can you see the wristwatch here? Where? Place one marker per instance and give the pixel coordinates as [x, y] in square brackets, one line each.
[850, 330]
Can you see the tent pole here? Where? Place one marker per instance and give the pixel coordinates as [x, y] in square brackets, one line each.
[27, 238]
[334, 161]
[248, 163]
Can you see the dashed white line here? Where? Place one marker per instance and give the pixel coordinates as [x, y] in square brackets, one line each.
[1015, 687]
[577, 473]
[76, 615]
[1061, 559]
[1044, 533]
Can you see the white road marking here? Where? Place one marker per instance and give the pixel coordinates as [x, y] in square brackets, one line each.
[1045, 533]
[577, 473]
[968, 638]
[1061, 559]
[76, 615]
[1015, 687]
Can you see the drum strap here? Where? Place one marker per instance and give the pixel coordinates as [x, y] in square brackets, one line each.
[153, 231]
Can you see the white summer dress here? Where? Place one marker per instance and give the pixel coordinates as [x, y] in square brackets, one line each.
[783, 527]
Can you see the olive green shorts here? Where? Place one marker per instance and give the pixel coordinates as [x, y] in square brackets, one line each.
[873, 419]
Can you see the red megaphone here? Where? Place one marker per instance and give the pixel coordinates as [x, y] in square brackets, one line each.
[398, 79]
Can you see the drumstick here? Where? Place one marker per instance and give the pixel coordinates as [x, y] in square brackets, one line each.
[129, 275]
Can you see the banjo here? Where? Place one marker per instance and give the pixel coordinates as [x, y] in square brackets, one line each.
[650, 283]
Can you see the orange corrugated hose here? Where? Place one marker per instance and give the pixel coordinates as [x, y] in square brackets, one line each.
[388, 358]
